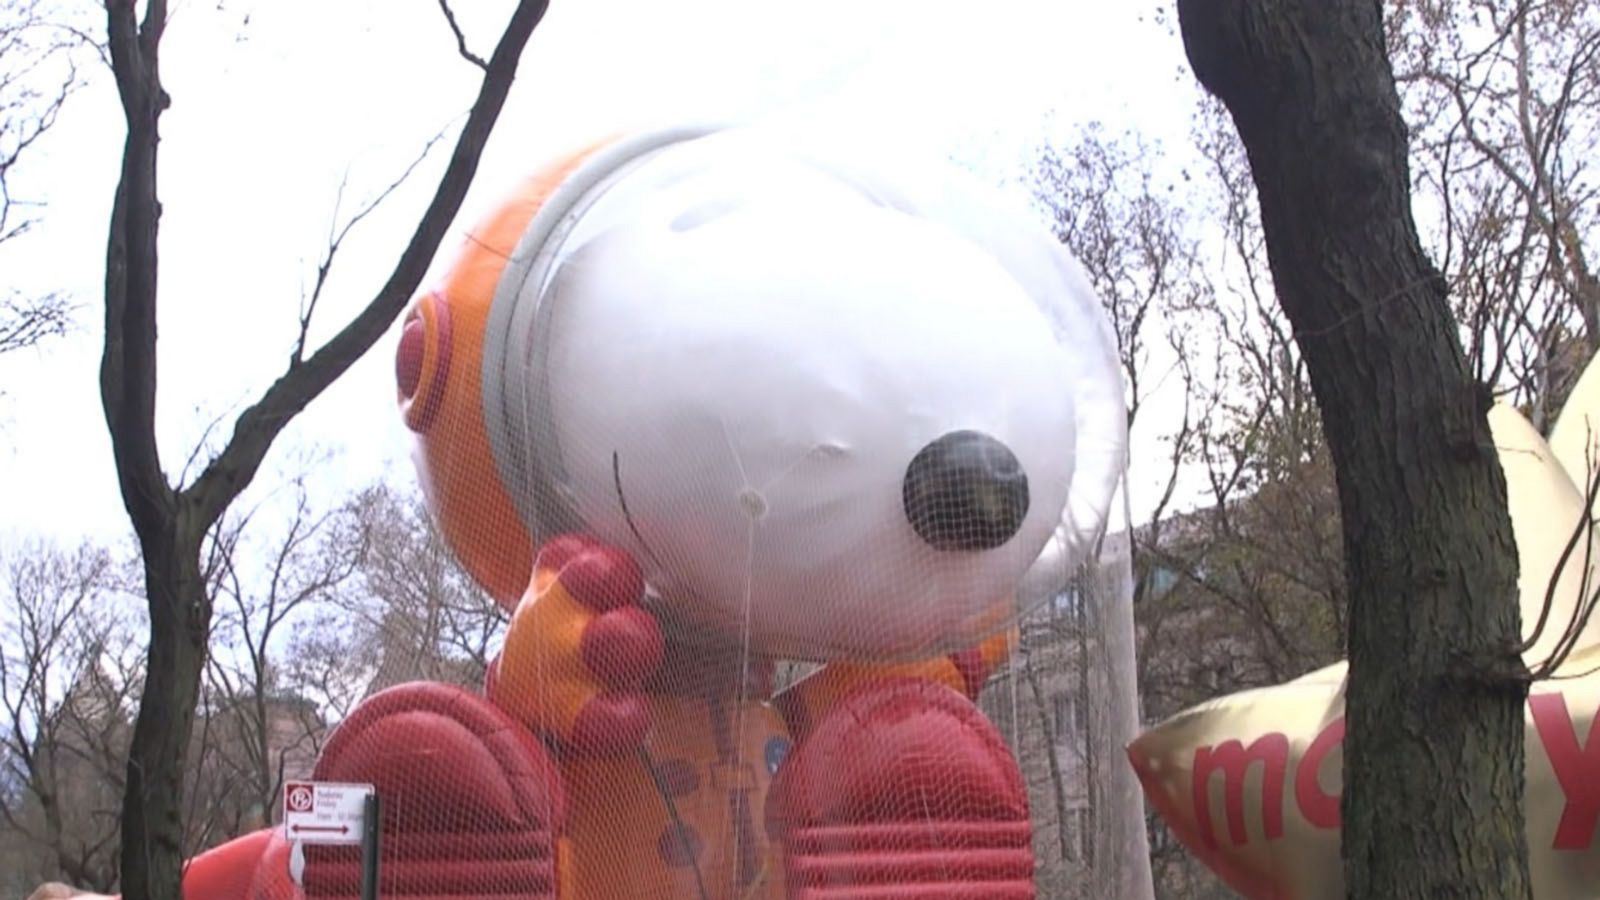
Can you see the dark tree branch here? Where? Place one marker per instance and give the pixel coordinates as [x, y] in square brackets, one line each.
[259, 425]
[461, 39]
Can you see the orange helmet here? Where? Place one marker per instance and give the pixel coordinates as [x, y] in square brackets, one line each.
[450, 343]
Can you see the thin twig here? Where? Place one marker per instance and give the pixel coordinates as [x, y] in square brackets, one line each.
[461, 39]
[337, 238]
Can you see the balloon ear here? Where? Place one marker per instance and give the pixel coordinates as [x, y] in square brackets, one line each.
[439, 375]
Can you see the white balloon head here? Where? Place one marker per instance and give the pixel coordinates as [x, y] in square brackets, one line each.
[835, 408]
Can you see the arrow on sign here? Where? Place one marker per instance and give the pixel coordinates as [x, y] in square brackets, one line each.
[324, 829]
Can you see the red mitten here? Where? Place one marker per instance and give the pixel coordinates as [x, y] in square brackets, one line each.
[904, 790]
[579, 650]
[472, 805]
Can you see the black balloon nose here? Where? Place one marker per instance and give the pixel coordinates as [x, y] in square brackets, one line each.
[966, 491]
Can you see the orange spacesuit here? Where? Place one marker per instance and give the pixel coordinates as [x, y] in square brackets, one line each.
[667, 772]
[670, 752]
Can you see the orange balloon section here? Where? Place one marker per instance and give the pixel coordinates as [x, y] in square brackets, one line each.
[439, 375]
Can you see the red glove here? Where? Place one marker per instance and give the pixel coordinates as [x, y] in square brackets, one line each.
[580, 648]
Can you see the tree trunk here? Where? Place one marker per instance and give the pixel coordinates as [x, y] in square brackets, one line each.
[152, 812]
[1433, 803]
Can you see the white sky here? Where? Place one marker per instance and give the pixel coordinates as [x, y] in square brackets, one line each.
[268, 118]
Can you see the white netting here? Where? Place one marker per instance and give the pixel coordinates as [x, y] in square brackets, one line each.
[769, 449]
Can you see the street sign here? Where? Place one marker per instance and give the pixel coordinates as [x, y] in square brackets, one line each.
[324, 812]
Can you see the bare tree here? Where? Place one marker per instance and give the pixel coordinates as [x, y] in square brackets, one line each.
[38, 72]
[1249, 587]
[420, 614]
[1257, 567]
[25, 321]
[316, 608]
[269, 573]
[172, 521]
[332, 664]
[1116, 212]
[66, 686]
[1504, 103]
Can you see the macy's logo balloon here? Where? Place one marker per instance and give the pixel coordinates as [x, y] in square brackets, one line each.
[1251, 782]
[1574, 765]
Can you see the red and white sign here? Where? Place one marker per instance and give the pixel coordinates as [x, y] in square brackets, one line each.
[324, 812]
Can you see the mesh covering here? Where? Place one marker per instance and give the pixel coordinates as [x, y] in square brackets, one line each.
[767, 448]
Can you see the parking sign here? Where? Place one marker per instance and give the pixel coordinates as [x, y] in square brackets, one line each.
[324, 812]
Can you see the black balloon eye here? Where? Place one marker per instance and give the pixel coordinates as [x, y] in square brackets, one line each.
[966, 491]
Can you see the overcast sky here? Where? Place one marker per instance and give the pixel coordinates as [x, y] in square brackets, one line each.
[275, 103]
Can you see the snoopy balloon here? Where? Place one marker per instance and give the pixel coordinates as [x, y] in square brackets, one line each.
[694, 406]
